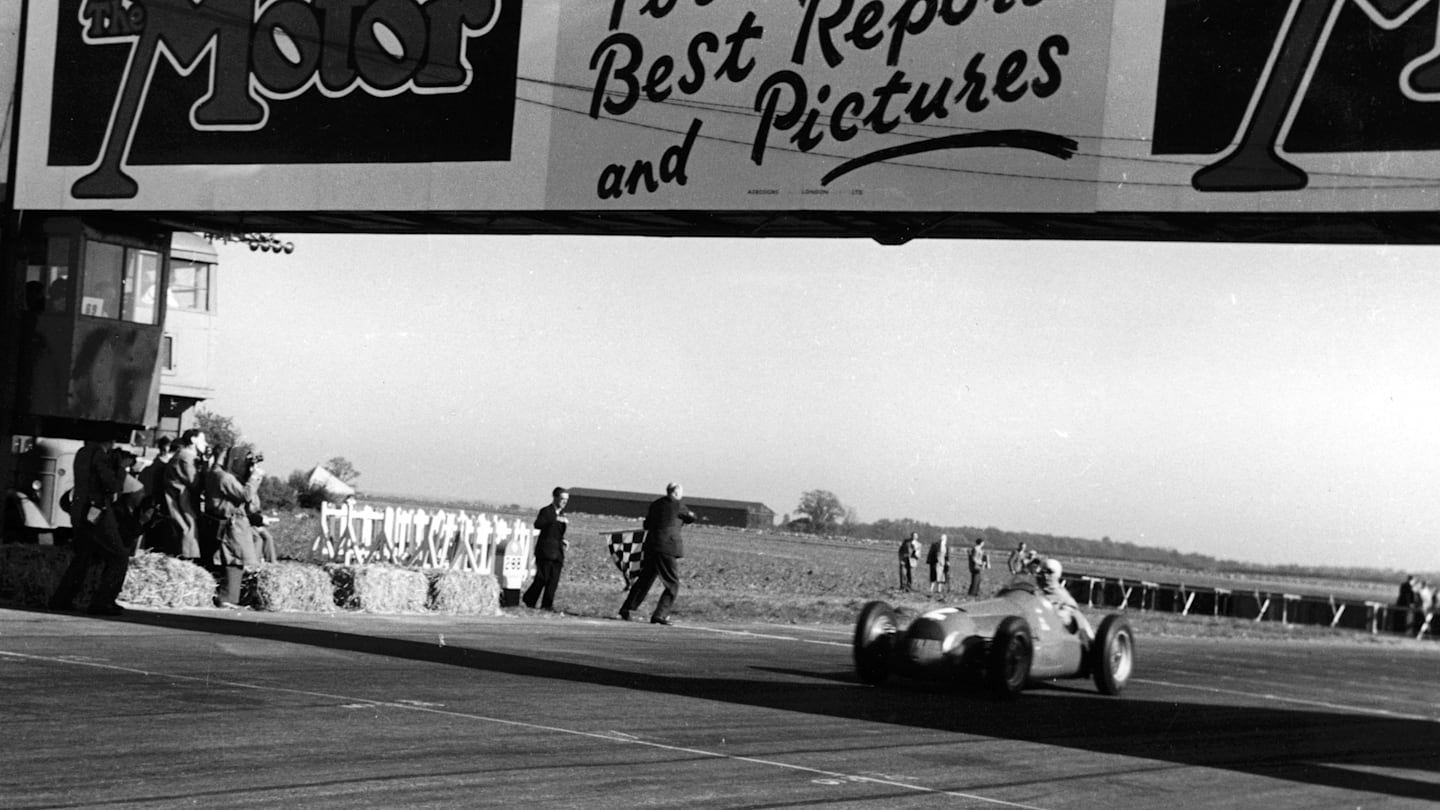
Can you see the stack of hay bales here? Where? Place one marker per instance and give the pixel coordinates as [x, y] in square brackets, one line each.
[379, 588]
[164, 581]
[290, 586]
[29, 573]
[464, 592]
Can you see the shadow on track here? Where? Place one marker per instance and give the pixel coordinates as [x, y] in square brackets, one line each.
[1316, 747]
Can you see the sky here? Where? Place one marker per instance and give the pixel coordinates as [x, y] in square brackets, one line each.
[1275, 404]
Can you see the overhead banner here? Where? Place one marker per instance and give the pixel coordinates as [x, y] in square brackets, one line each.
[884, 105]
[913, 105]
[1273, 105]
[285, 104]
[9, 62]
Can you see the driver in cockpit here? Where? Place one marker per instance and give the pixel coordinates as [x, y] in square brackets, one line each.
[1048, 579]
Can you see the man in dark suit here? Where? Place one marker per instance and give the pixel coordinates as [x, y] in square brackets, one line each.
[100, 474]
[549, 551]
[662, 552]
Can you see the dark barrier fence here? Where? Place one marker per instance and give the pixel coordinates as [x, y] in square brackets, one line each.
[1256, 605]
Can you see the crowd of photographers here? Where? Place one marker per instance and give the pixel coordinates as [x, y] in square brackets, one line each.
[190, 502]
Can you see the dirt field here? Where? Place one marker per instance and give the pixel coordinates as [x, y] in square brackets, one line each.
[732, 575]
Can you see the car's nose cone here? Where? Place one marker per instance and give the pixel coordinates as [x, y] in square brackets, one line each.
[925, 642]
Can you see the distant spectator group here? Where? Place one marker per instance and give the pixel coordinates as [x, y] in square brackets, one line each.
[1023, 561]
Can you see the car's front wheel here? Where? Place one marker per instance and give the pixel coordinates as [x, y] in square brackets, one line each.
[1011, 652]
[1112, 654]
[874, 635]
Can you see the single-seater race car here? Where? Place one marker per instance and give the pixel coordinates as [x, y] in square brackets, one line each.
[1006, 642]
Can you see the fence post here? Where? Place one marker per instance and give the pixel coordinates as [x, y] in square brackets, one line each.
[375, 546]
[1222, 596]
[484, 538]
[324, 545]
[1149, 592]
[1124, 593]
[1287, 599]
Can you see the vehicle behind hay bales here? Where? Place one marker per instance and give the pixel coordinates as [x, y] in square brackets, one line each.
[291, 586]
[464, 592]
[160, 580]
[379, 588]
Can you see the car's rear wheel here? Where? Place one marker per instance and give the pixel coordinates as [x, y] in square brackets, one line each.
[1011, 652]
[1112, 654]
[874, 636]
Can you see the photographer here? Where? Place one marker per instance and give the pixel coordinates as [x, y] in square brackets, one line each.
[230, 487]
[264, 540]
[100, 473]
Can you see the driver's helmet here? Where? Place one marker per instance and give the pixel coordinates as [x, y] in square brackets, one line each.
[1049, 571]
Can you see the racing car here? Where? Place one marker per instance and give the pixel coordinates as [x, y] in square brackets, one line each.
[1007, 642]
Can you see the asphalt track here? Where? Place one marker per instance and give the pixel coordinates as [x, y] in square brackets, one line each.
[218, 709]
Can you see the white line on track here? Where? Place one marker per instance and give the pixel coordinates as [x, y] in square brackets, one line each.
[1287, 699]
[749, 634]
[611, 736]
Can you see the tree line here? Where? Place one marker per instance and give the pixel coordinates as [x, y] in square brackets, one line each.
[821, 512]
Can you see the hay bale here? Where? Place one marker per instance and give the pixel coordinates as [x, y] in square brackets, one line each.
[160, 580]
[379, 588]
[30, 573]
[291, 586]
[464, 592]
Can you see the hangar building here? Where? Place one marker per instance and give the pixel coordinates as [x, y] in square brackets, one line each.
[712, 511]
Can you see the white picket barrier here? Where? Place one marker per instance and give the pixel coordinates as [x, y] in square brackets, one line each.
[348, 534]
[354, 533]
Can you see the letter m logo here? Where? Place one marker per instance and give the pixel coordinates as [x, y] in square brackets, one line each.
[208, 82]
[1257, 84]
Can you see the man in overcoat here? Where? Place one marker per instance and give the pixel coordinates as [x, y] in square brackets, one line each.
[663, 549]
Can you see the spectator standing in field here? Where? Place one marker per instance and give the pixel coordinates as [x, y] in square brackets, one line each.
[229, 488]
[1425, 599]
[663, 549]
[939, 561]
[1033, 562]
[1020, 559]
[909, 558]
[549, 551]
[100, 473]
[180, 492]
[1408, 602]
[979, 560]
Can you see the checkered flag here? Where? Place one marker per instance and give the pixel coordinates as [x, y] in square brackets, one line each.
[626, 549]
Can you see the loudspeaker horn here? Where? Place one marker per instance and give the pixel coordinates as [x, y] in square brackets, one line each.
[335, 490]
